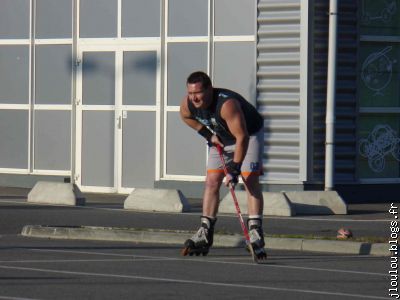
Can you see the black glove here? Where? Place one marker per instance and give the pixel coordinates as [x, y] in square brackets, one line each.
[234, 172]
[207, 134]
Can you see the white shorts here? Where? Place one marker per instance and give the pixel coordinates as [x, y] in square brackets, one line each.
[252, 163]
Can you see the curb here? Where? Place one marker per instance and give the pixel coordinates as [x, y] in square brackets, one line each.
[220, 240]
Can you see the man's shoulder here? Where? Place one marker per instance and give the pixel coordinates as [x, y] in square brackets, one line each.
[184, 101]
[224, 94]
[184, 107]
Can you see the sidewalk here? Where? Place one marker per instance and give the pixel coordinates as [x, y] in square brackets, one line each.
[103, 217]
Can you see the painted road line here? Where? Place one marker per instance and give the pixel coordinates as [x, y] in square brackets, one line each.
[15, 298]
[220, 262]
[195, 282]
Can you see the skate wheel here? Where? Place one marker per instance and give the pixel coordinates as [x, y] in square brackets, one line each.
[262, 256]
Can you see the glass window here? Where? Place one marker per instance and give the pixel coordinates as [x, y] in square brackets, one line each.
[141, 18]
[235, 68]
[379, 74]
[140, 78]
[379, 146]
[139, 163]
[98, 148]
[52, 140]
[379, 90]
[235, 17]
[14, 138]
[188, 18]
[98, 78]
[53, 19]
[14, 74]
[182, 162]
[380, 17]
[14, 19]
[53, 74]
[98, 18]
[181, 63]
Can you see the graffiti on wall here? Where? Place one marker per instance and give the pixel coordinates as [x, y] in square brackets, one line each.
[384, 14]
[377, 70]
[381, 141]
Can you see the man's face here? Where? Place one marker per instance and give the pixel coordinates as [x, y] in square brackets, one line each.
[199, 96]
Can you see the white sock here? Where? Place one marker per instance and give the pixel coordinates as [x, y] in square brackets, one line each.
[255, 217]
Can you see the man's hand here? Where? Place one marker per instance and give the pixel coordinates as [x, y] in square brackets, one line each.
[215, 141]
[232, 178]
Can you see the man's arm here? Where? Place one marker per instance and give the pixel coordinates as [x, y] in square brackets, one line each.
[186, 116]
[232, 113]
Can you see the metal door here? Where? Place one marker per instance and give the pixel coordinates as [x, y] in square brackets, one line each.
[117, 118]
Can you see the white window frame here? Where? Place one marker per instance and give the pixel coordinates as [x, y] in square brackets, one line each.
[211, 40]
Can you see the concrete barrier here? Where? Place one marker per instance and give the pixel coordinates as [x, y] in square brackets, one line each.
[317, 203]
[275, 204]
[290, 203]
[161, 200]
[56, 193]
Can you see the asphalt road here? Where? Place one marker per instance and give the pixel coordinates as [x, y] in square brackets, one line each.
[15, 212]
[41, 269]
[65, 269]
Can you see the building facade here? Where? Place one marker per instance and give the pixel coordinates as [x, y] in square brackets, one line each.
[90, 89]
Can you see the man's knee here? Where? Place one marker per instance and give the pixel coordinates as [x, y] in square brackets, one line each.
[213, 182]
[252, 185]
[251, 180]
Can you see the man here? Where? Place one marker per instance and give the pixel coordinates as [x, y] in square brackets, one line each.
[225, 118]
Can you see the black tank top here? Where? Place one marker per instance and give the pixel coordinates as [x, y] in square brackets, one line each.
[211, 117]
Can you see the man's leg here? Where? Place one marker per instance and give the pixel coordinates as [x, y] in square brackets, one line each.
[255, 210]
[251, 170]
[211, 193]
[202, 240]
[255, 200]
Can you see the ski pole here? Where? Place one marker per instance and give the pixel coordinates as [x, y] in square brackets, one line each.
[235, 201]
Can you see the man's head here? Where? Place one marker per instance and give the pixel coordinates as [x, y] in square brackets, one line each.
[199, 89]
[199, 77]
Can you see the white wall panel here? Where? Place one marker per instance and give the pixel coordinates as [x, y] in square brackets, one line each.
[278, 87]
